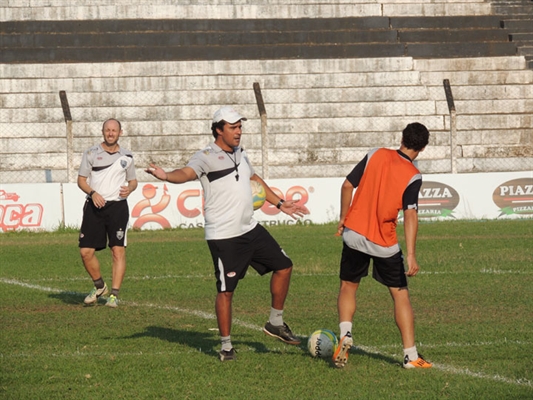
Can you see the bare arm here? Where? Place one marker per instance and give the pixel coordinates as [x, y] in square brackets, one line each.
[289, 207]
[180, 175]
[98, 200]
[410, 226]
[83, 185]
[346, 199]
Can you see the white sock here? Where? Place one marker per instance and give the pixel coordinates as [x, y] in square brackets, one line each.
[226, 343]
[411, 353]
[276, 317]
[345, 327]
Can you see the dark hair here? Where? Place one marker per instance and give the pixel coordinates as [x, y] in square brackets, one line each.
[217, 125]
[112, 119]
[415, 136]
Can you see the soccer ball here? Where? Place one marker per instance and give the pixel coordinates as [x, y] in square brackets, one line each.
[322, 343]
[258, 194]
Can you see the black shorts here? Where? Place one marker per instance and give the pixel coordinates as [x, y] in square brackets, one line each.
[102, 224]
[388, 271]
[231, 257]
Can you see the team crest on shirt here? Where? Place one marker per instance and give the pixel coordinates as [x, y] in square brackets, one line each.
[123, 164]
[120, 234]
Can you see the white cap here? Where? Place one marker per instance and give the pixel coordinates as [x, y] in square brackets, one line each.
[228, 114]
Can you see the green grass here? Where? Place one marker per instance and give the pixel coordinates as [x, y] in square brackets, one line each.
[473, 303]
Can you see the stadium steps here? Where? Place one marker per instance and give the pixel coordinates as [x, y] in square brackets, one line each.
[65, 10]
[262, 39]
[518, 21]
[458, 36]
[339, 108]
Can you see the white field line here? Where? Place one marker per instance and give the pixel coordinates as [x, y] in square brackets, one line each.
[368, 349]
[489, 271]
[462, 371]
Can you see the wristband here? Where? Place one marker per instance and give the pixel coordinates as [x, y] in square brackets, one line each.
[91, 193]
[281, 201]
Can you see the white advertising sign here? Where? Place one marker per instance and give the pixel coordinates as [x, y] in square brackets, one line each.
[35, 206]
[159, 205]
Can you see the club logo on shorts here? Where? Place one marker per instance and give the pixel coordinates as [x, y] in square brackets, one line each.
[231, 274]
[120, 234]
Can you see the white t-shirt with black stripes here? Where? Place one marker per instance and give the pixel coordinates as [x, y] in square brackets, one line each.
[225, 179]
[107, 172]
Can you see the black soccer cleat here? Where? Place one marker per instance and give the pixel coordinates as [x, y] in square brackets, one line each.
[282, 332]
[227, 355]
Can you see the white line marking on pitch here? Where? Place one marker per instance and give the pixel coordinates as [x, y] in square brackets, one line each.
[461, 371]
[489, 271]
[206, 315]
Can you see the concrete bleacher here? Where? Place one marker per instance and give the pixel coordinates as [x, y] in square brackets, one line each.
[333, 87]
[180, 40]
[321, 118]
[518, 20]
[65, 10]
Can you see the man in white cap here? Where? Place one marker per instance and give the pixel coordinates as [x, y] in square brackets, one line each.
[235, 239]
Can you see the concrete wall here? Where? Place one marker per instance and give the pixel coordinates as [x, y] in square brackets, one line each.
[323, 115]
[15, 10]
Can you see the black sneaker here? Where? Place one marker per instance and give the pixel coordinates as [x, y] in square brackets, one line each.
[282, 332]
[227, 355]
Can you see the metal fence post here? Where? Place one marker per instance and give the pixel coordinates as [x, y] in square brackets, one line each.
[264, 134]
[70, 137]
[453, 125]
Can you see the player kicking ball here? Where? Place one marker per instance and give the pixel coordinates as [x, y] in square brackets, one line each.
[387, 181]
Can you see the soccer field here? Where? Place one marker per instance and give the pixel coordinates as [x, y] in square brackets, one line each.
[473, 303]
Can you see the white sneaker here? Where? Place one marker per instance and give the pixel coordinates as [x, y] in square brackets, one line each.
[112, 301]
[92, 297]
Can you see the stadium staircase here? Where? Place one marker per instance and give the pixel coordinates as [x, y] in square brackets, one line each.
[261, 39]
[333, 86]
[518, 21]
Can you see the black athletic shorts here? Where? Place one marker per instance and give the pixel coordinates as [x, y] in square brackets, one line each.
[389, 271]
[102, 224]
[231, 257]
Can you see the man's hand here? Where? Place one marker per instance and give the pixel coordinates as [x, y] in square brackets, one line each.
[159, 173]
[292, 208]
[98, 200]
[413, 266]
[124, 192]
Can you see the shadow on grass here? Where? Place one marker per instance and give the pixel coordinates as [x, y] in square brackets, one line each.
[356, 351]
[356, 356]
[70, 297]
[198, 340]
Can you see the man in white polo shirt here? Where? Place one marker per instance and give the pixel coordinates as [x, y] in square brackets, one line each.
[235, 239]
[107, 176]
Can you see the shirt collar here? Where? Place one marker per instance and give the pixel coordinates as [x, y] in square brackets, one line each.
[401, 153]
